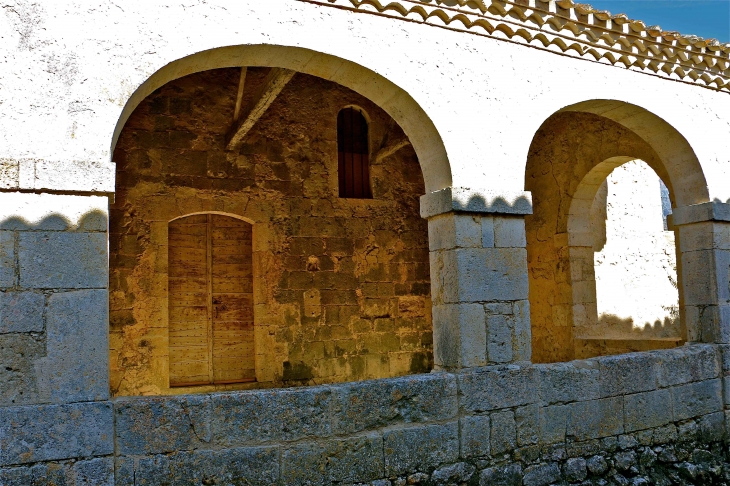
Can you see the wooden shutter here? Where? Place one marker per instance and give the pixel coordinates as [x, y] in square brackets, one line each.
[353, 154]
[210, 278]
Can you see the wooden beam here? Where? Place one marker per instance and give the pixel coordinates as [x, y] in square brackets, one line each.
[239, 98]
[391, 148]
[262, 99]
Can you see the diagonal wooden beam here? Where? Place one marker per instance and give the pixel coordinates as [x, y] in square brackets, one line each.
[254, 109]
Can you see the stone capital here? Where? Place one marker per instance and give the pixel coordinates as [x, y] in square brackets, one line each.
[698, 213]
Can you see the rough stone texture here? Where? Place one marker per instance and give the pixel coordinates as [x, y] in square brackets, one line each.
[93, 472]
[21, 312]
[244, 466]
[18, 380]
[158, 425]
[474, 436]
[75, 368]
[499, 387]
[362, 264]
[7, 259]
[420, 448]
[265, 416]
[52, 432]
[372, 404]
[59, 260]
[356, 459]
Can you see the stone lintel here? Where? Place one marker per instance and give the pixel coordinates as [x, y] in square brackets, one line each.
[698, 213]
[466, 200]
[86, 176]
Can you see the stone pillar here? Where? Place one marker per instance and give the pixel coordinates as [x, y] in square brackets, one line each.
[54, 386]
[703, 267]
[479, 284]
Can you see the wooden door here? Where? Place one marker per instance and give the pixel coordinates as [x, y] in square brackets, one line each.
[210, 278]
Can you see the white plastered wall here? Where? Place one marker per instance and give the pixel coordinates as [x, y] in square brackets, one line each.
[69, 70]
[635, 263]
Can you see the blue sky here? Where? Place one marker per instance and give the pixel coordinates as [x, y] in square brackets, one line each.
[705, 18]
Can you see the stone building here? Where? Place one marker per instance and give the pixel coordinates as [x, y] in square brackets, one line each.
[361, 242]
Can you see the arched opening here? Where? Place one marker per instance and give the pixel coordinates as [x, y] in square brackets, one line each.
[572, 157]
[341, 286]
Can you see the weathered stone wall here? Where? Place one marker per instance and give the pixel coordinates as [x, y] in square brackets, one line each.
[653, 415]
[341, 286]
[566, 151]
[53, 340]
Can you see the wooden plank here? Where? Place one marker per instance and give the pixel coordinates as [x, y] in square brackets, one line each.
[239, 97]
[274, 82]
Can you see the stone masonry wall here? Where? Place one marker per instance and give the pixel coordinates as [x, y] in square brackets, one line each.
[643, 418]
[53, 340]
[341, 286]
[628, 419]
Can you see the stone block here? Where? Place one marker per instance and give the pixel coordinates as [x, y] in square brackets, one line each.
[712, 427]
[699, 274]
[695, 399]
[7, 259]
[76, 367]
[159, 425]
[252, 465]
[352, 460]
[553, 423]
[497, 387]
[527, 420]
[52, 432]
[510, 475]
[18, 376]
[595, 418]
[687, 364]
[627, 373]
[522, 348]
[474, 436]
[420, 448]
[59, 260]
[541, 474]
[509, 232]
[94, 472]
[491, 274]
[647, 410]
[263, 416]
[75, 175]
[21, 312]
[453, 230]
[568, 382]
[503, 436]
[458, 473]
[372, 404]
[500, 334]
[487, 231]
[460, 335]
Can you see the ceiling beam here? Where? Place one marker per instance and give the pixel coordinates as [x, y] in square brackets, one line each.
[275, 81]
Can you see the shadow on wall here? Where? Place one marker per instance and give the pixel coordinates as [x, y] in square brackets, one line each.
[626, 328]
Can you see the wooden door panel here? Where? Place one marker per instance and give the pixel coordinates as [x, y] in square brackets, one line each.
[210, 288]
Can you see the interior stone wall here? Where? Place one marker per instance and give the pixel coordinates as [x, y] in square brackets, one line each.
[341, 286]
[564, 151]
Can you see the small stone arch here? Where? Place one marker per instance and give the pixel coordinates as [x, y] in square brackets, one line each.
[570, 156]
[414, 121]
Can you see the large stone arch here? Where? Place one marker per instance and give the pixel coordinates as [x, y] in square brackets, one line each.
[570, 156]
[414, 121]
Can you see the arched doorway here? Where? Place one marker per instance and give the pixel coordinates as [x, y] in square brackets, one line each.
[341, 285]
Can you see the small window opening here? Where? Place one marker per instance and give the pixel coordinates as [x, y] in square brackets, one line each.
[353, 154]
[210, 285]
